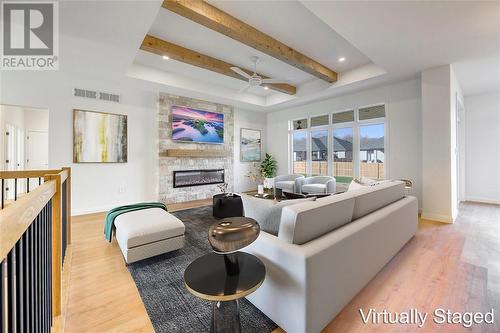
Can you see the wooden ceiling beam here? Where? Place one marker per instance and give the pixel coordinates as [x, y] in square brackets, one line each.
[179, 53]
[213, 18]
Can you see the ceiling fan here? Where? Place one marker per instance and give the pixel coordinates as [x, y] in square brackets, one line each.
[255, 79]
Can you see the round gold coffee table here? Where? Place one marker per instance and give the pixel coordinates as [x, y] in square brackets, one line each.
[209, 278]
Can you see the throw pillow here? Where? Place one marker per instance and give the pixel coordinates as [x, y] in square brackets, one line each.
[267, 212]
[355, 185]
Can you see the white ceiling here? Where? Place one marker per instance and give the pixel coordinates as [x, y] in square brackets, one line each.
[395, 40]
[308, 35]
[176, 67]
[408, 37]
[292, 24]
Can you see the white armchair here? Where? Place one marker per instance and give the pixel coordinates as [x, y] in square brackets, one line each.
[289, 183]
[318, 185]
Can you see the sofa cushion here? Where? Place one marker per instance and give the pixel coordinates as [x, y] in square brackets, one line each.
[146, 226]
[286, 185]
[314, 188]
[371, 198]
[306, 221]
[355, 185]
[267, 212]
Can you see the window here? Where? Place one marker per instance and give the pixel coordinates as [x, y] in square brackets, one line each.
[371, 150]
[299, 145]
[343, 117]
[350, 145]
[372, 112]
[319, 121]
[343, 166]
[300, 124]
[319, 152]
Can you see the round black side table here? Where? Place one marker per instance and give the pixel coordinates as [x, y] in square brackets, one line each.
[209, 278]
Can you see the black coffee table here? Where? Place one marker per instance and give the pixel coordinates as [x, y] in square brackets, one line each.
[213, 277]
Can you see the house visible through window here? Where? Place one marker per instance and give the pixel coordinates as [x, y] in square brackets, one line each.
[346, 144]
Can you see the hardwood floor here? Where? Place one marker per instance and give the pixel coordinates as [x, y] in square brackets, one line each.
[451, 266]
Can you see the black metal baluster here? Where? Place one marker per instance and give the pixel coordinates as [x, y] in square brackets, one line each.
[37, 278]
[49, 219]
[39, 181]
[4, 298]
[15, 189]
[40, 270]
[20, 284]
[46, 328]
[32, 280]
[26, 299]
[27, 185]
[12, 290]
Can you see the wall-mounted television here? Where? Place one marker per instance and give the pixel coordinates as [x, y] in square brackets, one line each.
[192, 125]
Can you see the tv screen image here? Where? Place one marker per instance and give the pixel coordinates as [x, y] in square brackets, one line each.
[192, 125]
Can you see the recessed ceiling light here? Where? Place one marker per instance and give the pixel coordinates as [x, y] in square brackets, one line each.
[341, 59]
[165, 57]
[266, 87]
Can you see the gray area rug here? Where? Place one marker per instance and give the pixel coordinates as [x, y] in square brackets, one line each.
[160, 281]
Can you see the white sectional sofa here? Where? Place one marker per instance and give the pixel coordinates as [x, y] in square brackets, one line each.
[327, 250]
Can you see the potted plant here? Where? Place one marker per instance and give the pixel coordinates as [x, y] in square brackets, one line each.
[268, 168]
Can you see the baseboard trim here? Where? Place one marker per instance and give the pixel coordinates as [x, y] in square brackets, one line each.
[482, 200]
[437, 217]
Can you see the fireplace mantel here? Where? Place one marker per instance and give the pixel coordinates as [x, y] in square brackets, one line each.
[193, 153]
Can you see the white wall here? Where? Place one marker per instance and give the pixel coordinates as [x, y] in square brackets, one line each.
[96, 187]
[405, 135]
[36, 120]
[252, 120]
[456, 98]
[99, 187]
[440, 91]
[483, 147]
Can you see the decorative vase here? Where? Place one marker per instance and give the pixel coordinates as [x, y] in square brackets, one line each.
[268, 182]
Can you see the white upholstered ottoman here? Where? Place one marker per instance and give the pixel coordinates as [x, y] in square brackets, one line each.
[149, 232]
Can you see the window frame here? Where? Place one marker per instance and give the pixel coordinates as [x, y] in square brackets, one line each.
[355, 125]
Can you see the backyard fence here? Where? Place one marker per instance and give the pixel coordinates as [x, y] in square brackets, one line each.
[340, 169]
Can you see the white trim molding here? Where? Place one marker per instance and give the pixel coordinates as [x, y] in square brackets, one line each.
[482, 200]
[437, 217]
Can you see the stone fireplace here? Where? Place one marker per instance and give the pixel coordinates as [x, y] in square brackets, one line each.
[187, 168]
[188, 178]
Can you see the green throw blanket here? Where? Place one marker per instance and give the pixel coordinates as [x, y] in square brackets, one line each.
[109, 222]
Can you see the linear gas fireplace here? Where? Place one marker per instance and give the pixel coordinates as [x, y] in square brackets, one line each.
[185, 178]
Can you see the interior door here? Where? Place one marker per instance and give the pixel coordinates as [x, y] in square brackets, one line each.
[38, 147]
[14, 158]
[37, 153]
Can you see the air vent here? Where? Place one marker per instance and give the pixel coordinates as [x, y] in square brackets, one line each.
[96, 95]
[109, 97]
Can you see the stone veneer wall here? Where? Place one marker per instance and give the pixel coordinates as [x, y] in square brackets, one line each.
[167, 192]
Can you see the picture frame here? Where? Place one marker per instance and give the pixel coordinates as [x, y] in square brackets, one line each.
[250, 145]
[99, 137]
[192, 125]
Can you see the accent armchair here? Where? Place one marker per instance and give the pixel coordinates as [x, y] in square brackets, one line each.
[319, 185]
[289, 183]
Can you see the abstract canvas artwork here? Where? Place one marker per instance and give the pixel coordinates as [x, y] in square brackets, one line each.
[192, 125]
[99, 137]
[250, 145]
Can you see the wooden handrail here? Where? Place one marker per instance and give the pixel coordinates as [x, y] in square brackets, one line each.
[19, 215]
[27, 173]
[15, 219]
